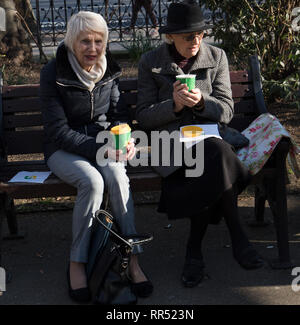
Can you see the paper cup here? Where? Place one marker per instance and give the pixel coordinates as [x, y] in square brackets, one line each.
[188, 79]
[191, 131]
[121, 136]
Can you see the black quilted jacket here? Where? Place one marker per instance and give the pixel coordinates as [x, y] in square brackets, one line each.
[72, 114]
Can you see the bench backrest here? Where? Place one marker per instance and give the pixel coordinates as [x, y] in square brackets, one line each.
[22, 119]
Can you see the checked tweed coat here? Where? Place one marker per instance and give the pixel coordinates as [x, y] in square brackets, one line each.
[157, 73]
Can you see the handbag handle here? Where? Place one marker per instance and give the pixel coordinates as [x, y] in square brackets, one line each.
[129, 242]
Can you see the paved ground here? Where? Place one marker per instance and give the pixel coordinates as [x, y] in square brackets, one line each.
[38, 262]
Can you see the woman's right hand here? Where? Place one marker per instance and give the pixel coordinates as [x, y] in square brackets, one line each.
[178, 101]
[184, 98]
[116, 155]
[119, 155]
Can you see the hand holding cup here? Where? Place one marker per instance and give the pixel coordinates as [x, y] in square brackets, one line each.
[123, 144]
[185, 93]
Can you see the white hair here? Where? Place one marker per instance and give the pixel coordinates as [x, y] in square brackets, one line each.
[166, 39]
[85, 21]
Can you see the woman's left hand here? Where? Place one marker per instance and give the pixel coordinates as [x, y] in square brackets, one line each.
[131, 149]
[193, 97]
[190, 98]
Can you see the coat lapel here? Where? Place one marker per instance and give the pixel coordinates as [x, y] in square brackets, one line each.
[204, 59]
[167, 64]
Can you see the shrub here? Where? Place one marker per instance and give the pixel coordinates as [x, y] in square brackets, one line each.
[139, 45]
[247, 27]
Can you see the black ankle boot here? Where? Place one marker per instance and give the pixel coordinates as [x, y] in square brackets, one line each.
[248, 258]
[193, 272]
[142, 289]
[81, 295]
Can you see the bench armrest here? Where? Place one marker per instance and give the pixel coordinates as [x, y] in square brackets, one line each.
[2, 142]
[257, 85]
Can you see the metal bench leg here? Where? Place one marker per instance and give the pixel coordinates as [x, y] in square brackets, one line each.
[2, 213]
[278, 204]
[11, 216]
[259, 208]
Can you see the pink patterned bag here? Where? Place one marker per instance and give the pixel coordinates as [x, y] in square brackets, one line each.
[264, 133]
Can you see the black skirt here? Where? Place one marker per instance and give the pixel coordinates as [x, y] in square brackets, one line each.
[183, 197]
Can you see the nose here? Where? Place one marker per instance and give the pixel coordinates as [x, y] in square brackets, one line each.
[92, 46]
[196, 40]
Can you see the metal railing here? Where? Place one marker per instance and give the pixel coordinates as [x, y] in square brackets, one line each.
[52, 17]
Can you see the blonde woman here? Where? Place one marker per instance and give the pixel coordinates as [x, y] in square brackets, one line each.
[80, 98]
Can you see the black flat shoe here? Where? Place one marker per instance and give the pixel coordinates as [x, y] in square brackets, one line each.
[82, 295]
[249, 259]
[142, 289]
[193, 272]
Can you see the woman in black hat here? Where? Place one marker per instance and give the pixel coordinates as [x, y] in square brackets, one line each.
[165, 104]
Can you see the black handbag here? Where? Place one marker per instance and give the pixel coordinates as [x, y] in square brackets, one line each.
[233, 136]
[109, 256]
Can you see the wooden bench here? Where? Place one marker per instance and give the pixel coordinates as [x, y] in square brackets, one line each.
[21, 137]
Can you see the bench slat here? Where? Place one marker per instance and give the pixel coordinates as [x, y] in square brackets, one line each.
[130, 98]
[128, 84]
[240, 76]
[239, 90]
[12, 167]
[58, 188]
[145, 182]
[23, 104]
[235, 77]
[244, 106]
[24, 142]
[53, 186]
[20, 91]
[30, 190]
[14, 121]
[125, 85]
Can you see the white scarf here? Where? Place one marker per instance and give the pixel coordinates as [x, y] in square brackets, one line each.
[88, 79]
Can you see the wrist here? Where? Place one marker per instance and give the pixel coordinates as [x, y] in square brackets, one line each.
[177, 109]
[200, 105]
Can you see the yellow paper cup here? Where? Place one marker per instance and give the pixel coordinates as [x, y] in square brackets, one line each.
[191, 131]
[188, 79]
[121, 136]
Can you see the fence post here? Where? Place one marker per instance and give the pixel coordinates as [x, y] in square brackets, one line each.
[38, 26]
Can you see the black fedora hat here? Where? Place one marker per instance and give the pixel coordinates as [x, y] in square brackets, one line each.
[184, 18]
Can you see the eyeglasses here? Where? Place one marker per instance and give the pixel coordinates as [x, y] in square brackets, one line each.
[191, 37]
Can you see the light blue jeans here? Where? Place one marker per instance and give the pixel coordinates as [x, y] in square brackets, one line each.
[90, 181]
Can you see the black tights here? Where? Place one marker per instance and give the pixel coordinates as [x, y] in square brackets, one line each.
[199, 225]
